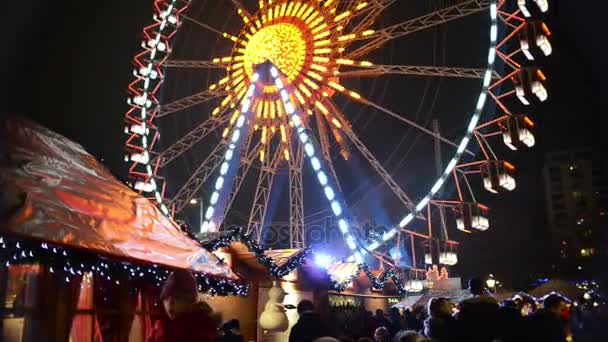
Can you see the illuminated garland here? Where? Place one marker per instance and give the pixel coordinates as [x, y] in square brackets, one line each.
[253, 247]
[378, 283]
[68, 264]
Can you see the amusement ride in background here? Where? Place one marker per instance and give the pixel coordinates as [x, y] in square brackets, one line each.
[280, 115]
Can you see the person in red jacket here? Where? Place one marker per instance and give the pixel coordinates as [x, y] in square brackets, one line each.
[184, 317]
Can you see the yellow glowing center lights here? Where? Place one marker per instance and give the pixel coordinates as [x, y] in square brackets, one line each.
[310, 150]
[209, 225]
[283, 44]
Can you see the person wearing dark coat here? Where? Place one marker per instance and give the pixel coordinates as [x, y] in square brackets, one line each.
[511, 322]
[477, 318]
[309, 326]
[184, 317]
[547, 324]
[440, 326]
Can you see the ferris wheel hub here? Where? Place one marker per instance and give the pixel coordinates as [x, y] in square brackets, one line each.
[283, 44]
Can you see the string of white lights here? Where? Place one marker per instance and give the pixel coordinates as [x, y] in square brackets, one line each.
[311, 148]
[463, 143]
[220, 182]
[144, 101]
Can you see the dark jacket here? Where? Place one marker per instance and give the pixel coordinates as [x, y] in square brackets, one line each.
[545, 326]
[511, 324]
[440, 329]
[308, 328]
[478, 319]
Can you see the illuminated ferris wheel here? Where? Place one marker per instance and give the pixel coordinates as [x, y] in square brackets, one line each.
[281, 107]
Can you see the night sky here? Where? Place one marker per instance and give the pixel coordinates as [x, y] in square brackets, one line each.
[66, 64]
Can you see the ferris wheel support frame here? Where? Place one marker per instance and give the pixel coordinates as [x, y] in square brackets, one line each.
[462, 146]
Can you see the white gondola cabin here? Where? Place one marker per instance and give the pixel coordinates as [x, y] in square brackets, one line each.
[414, 285]
[448, 258]
[428, 258]
[472, 216]
[517, 132]
[498, 176]
[530, 85]
[534, 40]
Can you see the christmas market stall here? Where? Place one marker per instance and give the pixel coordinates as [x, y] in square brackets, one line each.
[279, 280]
[82, 256]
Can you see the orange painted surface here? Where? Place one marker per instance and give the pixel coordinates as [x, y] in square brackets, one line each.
[56, 192]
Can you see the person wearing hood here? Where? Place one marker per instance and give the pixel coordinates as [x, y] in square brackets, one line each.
[440, 326]
[549, 323]
[309, 326]
[184, 317]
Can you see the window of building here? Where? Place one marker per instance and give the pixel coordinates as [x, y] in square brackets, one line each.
[35, 306]
[18, 287]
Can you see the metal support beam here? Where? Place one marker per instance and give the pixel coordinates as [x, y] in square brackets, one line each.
[409, 122]
[297, 239]
[190, 139]
[259, 208]
[381, 37]
[196, 180]
[388, 179]
[439, 170]
[246, 162]
[375, 8]
[172, 63]
[415, 70]
[190, 101]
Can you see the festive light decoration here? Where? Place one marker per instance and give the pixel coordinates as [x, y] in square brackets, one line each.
[68, 264]
[378, 283]
[275, 270]
[140, 127]
[240, 129]
[283, 44]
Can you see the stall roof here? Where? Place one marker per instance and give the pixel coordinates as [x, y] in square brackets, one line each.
[562, 287]
[56, 192]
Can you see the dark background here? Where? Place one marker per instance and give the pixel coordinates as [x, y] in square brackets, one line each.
[66, 65]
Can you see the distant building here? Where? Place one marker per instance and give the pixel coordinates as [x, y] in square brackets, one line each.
[576, 190]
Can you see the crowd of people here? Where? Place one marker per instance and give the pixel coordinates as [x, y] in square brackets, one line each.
[478, 318]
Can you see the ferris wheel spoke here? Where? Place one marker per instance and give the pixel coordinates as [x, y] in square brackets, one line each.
[190, 139]
[195, 64]
[244, 167]
[372, 12]
[384, 174]
[383, 36]
[415, 70]
[296, 197]
[199, 177]
[203, 25]
[409, 122]
[190, 101]
[325, 149]
[259, 208]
